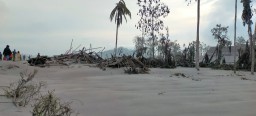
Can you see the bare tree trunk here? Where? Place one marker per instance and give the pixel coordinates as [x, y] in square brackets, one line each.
[153, 36]
[197, 35]
[235, 36]
[253, 56]
[116, 38]
[252, 48]
[253, 51]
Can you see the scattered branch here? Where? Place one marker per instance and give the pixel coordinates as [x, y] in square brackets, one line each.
[24, 90]
[50, 105]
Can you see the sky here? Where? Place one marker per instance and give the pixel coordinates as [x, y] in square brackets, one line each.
[48, 26]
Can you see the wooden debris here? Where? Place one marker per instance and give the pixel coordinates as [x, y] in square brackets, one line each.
[131, 65]
[80, 56]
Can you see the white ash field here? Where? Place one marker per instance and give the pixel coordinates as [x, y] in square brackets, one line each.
[94, 92]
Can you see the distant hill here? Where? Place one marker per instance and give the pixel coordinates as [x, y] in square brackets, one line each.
[120, 52]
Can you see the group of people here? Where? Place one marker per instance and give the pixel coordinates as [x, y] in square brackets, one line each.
[10, 55]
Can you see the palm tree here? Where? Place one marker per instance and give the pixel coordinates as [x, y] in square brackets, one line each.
[197, 35]
[246, 17]
[119, 12]
[197, 32]
[235, 36]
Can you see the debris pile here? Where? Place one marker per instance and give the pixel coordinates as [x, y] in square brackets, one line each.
[131, 65]
[87, 56]
[80, 56]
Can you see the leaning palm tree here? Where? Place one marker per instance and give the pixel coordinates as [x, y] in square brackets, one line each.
[246, 17]
[118, 13]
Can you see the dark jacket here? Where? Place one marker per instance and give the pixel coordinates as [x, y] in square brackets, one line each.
[7, 51]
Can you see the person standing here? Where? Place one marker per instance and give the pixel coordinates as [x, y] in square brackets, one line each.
[24, 57]
[14, 55]
[18, 56]
[7, 52]
[38, 55]
[10, 58]
[0, 55]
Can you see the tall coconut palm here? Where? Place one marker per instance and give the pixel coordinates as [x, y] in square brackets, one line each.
[197, 35]
[118, 13]
[235, 36]
[246, 17]
[197, 32]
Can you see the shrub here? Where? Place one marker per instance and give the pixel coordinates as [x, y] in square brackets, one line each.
[50, 105]
[24, 90]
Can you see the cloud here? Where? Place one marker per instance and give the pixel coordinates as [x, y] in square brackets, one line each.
[3, 13]
[48, 26]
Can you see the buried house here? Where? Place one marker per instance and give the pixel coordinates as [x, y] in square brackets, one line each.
[228, 53]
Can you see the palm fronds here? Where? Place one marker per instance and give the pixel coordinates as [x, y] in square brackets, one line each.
[119, 12]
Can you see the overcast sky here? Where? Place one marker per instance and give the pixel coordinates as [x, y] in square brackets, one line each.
[48, 26]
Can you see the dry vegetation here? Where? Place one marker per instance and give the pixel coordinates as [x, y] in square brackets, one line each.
[50, 105]
[24, 89]
[180, 74]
